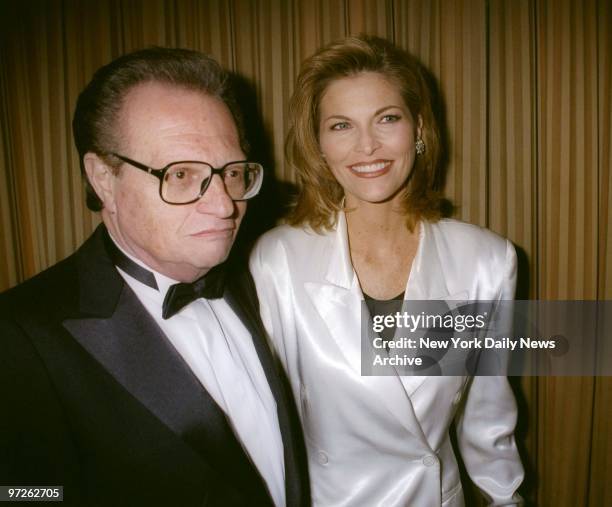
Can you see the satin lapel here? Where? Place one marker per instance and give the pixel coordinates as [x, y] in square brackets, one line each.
[243, 300]
[117, 331]
[338, 301]
[427, 281]
[132, 348]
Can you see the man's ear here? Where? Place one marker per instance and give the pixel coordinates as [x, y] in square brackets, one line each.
[101, 177]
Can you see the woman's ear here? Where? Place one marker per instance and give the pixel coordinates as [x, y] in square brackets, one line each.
[419, 127]
[102, 179]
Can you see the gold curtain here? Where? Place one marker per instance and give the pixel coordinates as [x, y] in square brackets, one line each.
[527, 90]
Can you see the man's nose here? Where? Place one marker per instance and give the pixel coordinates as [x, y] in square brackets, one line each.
[216, 201]
[367, 141]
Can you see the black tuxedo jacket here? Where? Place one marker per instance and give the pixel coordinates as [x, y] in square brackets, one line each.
[95, 398]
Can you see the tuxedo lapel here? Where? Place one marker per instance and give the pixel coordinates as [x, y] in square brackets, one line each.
[241, 296]
[117, 331]
[131, 347]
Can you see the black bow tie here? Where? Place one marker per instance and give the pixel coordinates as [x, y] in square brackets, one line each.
[179, 295]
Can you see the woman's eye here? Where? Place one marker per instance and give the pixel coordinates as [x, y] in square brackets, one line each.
[340, 126]
[390, 118]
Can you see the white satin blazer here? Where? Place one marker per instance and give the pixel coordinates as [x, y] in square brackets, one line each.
[384, 441]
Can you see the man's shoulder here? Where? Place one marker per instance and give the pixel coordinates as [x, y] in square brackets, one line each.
[56, 289]
[44, 293]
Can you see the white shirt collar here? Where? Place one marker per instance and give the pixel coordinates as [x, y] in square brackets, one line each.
[163, 282]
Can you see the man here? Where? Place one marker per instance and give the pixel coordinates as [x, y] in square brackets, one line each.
[136, 372]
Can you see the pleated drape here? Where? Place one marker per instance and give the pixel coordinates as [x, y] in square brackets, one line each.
[526, 88]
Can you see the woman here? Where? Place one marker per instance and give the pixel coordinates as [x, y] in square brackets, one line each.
[367, 223]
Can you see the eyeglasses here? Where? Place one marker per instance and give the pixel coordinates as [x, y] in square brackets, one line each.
[186, 181]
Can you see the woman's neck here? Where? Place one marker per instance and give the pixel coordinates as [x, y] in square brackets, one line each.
[382, 248]
[377, 227]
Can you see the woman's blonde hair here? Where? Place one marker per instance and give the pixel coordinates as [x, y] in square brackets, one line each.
[320, 196]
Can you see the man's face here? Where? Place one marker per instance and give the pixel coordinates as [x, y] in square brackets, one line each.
[159, 124]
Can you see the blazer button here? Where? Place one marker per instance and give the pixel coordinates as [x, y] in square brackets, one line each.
[322, 458]
[429, 460]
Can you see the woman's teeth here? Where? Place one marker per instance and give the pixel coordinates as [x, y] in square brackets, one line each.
[369, 168]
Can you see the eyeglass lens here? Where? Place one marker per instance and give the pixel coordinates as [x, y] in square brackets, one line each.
[183, 182]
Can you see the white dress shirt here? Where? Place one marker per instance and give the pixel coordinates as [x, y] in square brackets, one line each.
[219, 349]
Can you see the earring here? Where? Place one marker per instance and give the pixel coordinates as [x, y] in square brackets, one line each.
[419, 145]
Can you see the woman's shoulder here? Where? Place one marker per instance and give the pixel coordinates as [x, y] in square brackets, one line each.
[293, 243]
[289, 236]
[475, 257]
[463, 233]
[286, 233]
[471, 244]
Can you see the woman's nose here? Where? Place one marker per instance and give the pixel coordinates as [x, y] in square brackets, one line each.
[367, 142]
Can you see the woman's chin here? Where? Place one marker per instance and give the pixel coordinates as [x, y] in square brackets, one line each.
[379, 197]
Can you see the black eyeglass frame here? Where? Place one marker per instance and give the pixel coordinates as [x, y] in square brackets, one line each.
[160, 173]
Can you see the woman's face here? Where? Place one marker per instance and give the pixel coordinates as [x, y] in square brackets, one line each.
[367, 136]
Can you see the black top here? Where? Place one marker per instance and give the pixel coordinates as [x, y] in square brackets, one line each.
[385, 307]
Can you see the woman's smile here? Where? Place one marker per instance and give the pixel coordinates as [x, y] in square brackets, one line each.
[371, 169]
